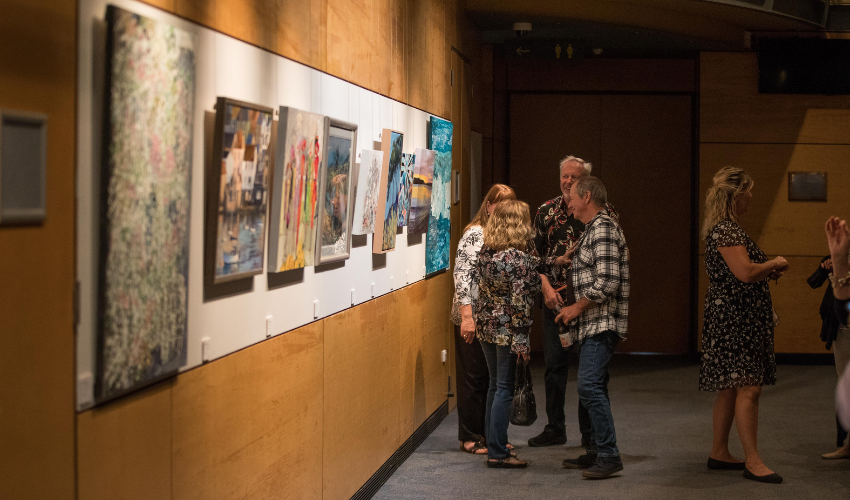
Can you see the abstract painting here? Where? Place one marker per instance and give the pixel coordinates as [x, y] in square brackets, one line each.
[145, 201]
[420, 195]
[239, 176]
[406, 175]
[386, 226]
[368, 185]
[439, 234]
[295, 217]
[337, 186]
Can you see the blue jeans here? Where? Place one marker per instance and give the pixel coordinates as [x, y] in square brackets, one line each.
[501, 363]
[596, 352]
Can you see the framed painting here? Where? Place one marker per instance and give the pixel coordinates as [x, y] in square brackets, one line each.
[386, 226]
[406, 174]
[368, 185]
[438, 239]
[299, 159]
[145, 203]
[336, 190]
[807, 186]
[420, 195]
[238, 190]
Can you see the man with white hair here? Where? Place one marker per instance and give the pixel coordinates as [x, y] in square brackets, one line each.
[556, 230]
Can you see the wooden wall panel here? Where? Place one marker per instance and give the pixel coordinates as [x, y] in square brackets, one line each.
[200, 11]
[423, 375]
[732, 110]
[780, 226]
[254, 21]
[124, 448]
[302, 33]
[419, 88]
[361, 387]
[249, 425]
[795, 302]
[603, 75]
[38, 54]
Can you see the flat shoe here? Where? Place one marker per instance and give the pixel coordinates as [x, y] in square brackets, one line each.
[837, 454]
[504, 463]
[721, 465]
[770, 478]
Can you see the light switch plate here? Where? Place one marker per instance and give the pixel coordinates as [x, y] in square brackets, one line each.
[444, 355]
[206, 352]
[85, 389]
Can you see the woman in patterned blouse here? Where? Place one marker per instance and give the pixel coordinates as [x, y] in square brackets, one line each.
[507, 284]
[471, 367]
[737, 341]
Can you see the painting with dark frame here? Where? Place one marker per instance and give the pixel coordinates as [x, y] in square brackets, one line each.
[238, 190]
[336, 192]
[806, 186]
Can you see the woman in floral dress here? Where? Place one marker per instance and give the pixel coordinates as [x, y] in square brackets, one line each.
[737, 340]
[507, 284]
[470, 364]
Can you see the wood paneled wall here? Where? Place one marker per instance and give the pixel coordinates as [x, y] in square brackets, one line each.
[770, 135]
[397, 48]
[38, 74]
[309, 414]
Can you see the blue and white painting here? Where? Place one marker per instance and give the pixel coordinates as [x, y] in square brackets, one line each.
[438, 238]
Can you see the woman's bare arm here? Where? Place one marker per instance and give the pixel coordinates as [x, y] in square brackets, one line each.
[747, 271]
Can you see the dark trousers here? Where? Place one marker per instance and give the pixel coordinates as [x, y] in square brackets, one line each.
[557, 361]
[596, 352]
[473, 380]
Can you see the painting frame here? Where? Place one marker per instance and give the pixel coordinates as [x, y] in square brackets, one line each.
[808, 186]
[438, 237]
[382, 234]
[351, 130]
[212, 227]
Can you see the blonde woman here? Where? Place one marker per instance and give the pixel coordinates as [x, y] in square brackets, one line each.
[507, 284]
[737, 342]
[471, 367]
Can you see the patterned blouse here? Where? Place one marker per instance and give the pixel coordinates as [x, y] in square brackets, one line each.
[554, 232]
[508, 282]
[466, 274]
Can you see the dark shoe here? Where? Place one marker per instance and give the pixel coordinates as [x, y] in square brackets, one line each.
[603, 469]
[477, 448]
[507, 463]
[770, 478]
[721, 465]
[582, 462]
[547, 438]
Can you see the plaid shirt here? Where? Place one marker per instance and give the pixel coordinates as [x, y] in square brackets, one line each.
[601, 273]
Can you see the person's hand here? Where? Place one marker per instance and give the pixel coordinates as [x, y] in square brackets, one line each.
[827, 264]
[467, 330]
[776, 276]
[838, 237]
[564, 260]
[567, 314]
[780, 264]
[551, 298]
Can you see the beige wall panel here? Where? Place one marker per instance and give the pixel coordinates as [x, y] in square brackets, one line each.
[301, 34]
[199, 11]
[423, 374]
[254, 21]
[124, 447]
[779, 226]
[38, 56]
[361, 393]
[795, 302]
[419, 89]
[732, 110]
[249, 425]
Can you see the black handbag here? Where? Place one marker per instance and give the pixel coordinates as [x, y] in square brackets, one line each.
[523, 408]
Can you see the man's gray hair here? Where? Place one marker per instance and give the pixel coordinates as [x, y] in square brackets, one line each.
[585, 164]
[590, 184]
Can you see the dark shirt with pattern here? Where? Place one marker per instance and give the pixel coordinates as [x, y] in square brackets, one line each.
[508, 281]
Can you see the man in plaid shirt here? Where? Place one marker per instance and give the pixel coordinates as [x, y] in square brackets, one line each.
[599, 318]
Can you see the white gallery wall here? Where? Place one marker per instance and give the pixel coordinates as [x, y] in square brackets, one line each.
[230, 68]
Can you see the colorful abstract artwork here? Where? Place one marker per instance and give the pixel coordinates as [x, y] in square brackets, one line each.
[295, 217]
[406, 185]
[241, 171]
[386, 226]
[439, 234]
[146, 197]
[420, 195]
[335, 196]
[368, 186]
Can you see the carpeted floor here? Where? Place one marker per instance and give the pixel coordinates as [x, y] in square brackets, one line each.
[664, 434]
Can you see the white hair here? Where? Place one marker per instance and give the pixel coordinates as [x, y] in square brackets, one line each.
[585, 164]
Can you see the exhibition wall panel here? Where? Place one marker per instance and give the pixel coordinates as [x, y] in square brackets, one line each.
[769, 135]
[37, 75]
[232, 68]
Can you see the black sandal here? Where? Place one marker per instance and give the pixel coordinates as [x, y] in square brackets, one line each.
[475, 448]
[502, 463]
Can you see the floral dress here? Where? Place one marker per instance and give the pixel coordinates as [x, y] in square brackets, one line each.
[737, 339]
[508, 282]
[466, 274]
